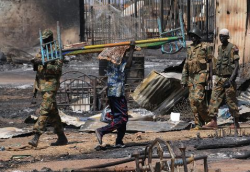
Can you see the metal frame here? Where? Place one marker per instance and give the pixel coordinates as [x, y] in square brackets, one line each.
[174, 32]
[51, 55]
[74, 91]
[143, 160]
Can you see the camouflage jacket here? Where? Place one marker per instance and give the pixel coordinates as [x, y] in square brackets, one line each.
[48, 76]
[196, 65]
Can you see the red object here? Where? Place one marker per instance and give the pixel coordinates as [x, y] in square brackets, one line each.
[109, 115]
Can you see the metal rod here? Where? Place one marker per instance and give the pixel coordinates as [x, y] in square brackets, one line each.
[136, 24]
[183, 153]
[112, 163]
[205, 165]
[136, 154]
[94, 95]
[82, 20]
[135, 8]
[235, 129]
[92, 25]
[188, 15]
[125, 43]
[162, 14]
[207, 17]
[176, 162]
[124, 169]
[59, 40]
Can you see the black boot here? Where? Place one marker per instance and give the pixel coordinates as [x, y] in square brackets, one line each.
[61, 140]
[34, 142]
[235, 124]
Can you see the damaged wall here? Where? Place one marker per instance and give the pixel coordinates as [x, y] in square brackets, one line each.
[233, 15]
[21, 19]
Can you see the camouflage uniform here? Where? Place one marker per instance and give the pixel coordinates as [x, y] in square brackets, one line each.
[195, 75]
[224, 68]
[48, 82]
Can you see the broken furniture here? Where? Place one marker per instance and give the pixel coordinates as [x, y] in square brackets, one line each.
[165, 160]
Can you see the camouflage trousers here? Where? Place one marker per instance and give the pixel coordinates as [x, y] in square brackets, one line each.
[198, 104]
[48, 113]
[218, 94]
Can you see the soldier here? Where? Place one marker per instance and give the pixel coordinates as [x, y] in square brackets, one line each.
[227, 67]
[195, 75]
[117, 99]
[48, 82]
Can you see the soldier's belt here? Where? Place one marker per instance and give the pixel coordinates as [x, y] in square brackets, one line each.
[224, 76]
[201, 71]
[48, 76]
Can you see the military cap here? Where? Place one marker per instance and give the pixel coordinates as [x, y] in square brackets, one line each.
[47, 33]
[196, 31]
[224, 32]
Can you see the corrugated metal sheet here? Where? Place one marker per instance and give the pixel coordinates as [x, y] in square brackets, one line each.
[244, 101]
[232, 14]
[247, 52]
[159, 92]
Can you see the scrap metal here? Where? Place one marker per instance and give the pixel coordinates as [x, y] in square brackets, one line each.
[224, 138]
[9, 132]
[81, 91]
[159, 92]
[245, 155]
[145, 162]
[177, 46]
[139, 126]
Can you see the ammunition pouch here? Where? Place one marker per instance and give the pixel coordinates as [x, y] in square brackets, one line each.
[225, 64]
[225, 69]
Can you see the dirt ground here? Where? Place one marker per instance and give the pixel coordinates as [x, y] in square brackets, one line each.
[15, 107]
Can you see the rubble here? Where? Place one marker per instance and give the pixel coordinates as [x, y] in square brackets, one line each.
[140, 126]
[2, 58]
[17, 56]
[66, 119]
[9, 132]
[145, 162]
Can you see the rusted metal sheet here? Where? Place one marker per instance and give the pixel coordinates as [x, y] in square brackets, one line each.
[159, 92]
[246, 58]
[232, 15]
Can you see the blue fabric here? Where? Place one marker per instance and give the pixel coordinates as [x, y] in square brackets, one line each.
[116, 79]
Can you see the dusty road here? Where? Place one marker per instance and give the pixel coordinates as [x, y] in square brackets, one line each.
[80, 152]
[15, 107]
